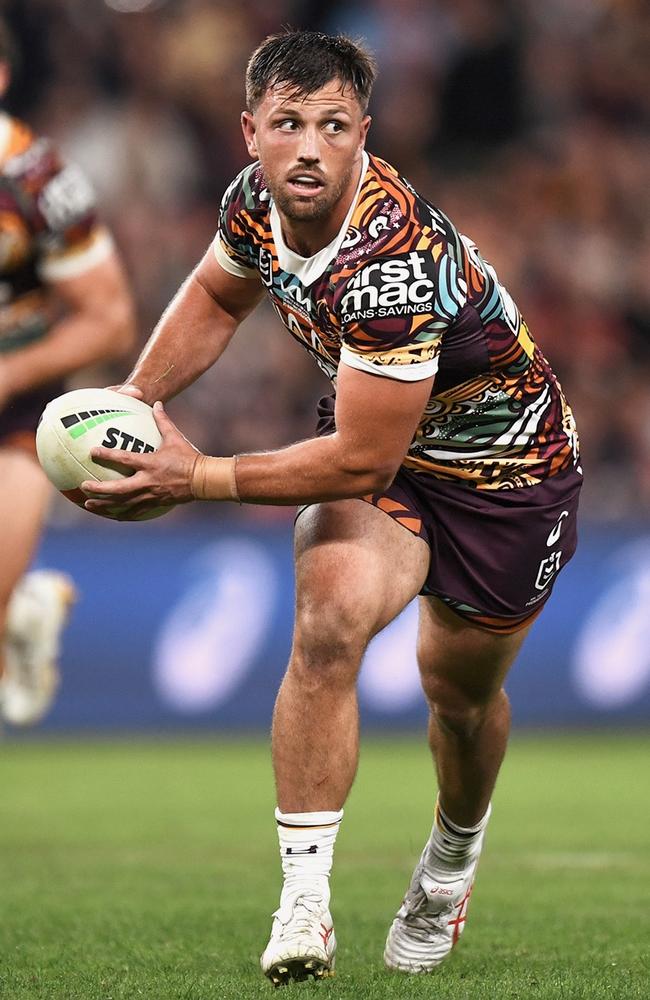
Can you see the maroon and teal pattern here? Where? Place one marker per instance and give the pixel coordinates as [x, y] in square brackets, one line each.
[405, 288]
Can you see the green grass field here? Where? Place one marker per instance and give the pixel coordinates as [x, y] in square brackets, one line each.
[151, 870]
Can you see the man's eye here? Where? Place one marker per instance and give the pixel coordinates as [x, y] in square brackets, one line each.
[334, 127]
[287, 125]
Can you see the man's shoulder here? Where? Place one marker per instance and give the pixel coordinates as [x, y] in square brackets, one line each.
[391, 225]
[392, 218]
[247, 192]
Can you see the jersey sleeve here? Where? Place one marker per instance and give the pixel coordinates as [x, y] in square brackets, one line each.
[69, 238]
[234, 245]
[394, 311]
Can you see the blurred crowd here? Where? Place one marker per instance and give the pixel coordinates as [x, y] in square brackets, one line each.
[526, 122]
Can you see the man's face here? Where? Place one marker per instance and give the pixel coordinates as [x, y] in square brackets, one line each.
[309, 147]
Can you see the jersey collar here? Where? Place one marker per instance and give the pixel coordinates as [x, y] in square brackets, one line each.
[309, 269]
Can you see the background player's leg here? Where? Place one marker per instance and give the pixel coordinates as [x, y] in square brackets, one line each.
[463, 669]
[33, 606]
[355, 571]
[23, 502]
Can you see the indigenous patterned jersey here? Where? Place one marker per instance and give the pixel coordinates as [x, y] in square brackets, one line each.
[48, 231]
[401, 293]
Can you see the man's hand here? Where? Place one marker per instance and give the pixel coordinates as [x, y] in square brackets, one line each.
[128, 389]
[160, 478]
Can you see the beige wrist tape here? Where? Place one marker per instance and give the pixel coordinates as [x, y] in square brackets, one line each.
[215, 478]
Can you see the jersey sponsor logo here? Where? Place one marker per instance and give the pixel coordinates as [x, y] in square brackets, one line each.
[401, 285]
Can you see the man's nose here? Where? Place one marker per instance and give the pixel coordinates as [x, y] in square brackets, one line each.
[309, 151]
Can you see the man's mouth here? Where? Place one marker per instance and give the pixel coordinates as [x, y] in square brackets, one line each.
[305, 184]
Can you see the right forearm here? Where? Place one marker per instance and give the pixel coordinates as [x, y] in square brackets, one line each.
[192, 333]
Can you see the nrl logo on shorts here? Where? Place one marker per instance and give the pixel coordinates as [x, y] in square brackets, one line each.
[547, 569]
[401, 285]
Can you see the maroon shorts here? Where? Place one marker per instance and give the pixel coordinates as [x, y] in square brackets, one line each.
[19, 419]
[495, 554]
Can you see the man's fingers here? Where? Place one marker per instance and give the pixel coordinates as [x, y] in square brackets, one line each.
[130, 459]
[128, 511]
[128, 389]
[164, 423]
[130, 486]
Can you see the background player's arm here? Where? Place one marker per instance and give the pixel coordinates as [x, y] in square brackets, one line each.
[98, 324]
[193, 331]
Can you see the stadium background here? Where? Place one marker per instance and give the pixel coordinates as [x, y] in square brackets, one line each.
[527, 123]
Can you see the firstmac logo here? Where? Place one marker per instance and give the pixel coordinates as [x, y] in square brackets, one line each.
[393, 286]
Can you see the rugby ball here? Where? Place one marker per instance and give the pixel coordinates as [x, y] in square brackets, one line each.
[72, 424]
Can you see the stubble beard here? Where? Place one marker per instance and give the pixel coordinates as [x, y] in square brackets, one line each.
[316, 209]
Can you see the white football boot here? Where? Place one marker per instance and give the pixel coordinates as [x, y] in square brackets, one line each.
[302, 942]
[432, 916]
[37, 613]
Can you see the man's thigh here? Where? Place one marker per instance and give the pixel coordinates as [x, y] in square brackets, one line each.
[460, 660]
[356, 569]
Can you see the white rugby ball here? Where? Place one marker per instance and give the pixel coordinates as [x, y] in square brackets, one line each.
[72, 424]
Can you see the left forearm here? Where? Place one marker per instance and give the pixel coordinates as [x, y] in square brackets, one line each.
[312, 471]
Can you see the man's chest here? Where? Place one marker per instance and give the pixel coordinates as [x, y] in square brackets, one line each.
[306, 310]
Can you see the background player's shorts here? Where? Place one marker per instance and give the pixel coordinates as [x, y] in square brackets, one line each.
[19, 418]
[495, 554]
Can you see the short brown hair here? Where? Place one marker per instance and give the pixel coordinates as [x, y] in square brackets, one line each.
[307, 60]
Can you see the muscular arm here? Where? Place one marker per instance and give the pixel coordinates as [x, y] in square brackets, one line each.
[194, 330]
[376, 418]
[98, 324]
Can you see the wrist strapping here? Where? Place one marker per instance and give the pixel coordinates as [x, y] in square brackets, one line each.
[214, 478]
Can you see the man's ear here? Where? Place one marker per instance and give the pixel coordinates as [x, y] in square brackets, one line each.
[366, 122]
[248, 128]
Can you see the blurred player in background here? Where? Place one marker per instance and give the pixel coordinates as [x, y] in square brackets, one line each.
[64, 304]
[446, 466]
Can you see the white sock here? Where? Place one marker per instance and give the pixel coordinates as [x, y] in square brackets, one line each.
[452, 846]
[307, 850]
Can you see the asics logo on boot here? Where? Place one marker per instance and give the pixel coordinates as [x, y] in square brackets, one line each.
[325, 933]
[440, 891]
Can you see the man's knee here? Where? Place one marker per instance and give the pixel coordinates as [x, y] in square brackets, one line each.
[330, 638]
[457, 710]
